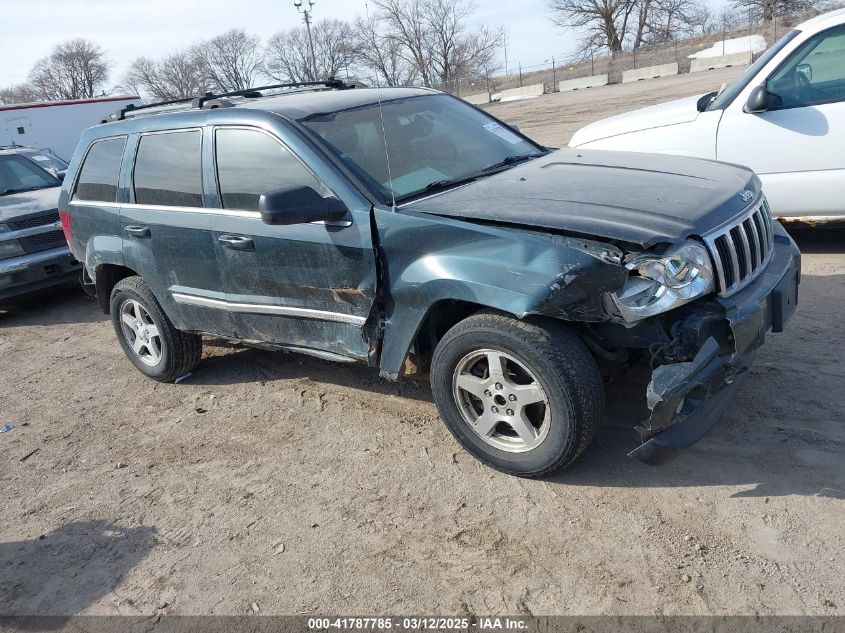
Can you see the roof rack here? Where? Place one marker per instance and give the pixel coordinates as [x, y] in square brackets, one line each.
[212, 100]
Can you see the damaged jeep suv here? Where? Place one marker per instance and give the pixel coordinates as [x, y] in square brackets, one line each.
[409, 231]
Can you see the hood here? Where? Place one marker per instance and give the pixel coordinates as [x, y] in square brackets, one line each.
[637, 198]
[670, 113]
[15, 205]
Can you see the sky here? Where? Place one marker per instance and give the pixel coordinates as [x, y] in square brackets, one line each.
[130, 28]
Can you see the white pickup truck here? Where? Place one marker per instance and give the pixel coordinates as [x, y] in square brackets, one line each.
[784, 117]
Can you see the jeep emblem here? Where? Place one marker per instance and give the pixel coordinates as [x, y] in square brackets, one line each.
[747, 196]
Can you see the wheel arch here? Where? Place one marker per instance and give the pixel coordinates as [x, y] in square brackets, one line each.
[106, 278]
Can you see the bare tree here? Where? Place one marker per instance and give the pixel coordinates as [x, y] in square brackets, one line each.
[178, 76]
[767, 10]
[454, 50]
[288, 57]
[18, 93]
[381, 56]
[603, 23]
[672, 20]
[76, 69]
[406, 25]
[434, 37]
[230, 61]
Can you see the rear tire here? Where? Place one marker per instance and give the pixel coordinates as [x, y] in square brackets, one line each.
[535, 416]
[156, 348]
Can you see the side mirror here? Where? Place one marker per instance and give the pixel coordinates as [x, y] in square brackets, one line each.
[758, 100]
[299, 205]
[514, 126]
[61, 176]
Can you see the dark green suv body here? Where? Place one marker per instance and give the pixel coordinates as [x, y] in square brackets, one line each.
[405, 229]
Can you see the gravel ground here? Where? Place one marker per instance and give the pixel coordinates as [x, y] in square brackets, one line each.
[291, 485]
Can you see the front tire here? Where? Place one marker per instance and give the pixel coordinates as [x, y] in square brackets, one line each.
[524, 398]
[156, 348]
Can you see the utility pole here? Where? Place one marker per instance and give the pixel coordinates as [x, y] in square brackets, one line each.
[306, 17]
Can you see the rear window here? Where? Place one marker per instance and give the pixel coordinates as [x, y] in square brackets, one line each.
[100, 171]
[168, 169]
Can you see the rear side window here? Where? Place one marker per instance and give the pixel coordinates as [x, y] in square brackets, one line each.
[168, 169]
[250, 163]
[100, 171]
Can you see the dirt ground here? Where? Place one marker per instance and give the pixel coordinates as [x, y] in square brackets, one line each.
[306, 487]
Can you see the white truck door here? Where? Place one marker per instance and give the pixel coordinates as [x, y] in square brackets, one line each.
[20, 131]
[797, 145]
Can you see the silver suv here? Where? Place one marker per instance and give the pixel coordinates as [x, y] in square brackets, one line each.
[33, 250]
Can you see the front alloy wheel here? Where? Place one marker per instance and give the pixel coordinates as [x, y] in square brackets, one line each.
[501, 400]
[524, 397]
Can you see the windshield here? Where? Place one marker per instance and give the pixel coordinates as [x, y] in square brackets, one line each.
[46, 160]
[21, 174]
[432, 141]
[729, 94]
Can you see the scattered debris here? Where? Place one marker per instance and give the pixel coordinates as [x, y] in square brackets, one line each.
[280, 548]
[201, 410]
[181, 378]
[255, 607]
[6, 428]
[121, 465]
[686, 578]
[29, 454]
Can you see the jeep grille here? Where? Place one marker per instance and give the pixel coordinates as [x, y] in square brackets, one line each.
[742, 249]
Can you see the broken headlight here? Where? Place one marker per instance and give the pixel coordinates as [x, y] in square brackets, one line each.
[661, 282]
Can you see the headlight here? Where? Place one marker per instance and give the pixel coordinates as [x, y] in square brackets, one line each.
[10, 248]
[661, 282]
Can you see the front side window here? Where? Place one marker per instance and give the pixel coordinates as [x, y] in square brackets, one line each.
[726, 97]
[250, 163]
[814, 74]
[403, 147]
[20, 174]
[100, 171]
[168, 169]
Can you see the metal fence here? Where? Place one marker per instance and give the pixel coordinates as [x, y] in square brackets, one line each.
[554, 70]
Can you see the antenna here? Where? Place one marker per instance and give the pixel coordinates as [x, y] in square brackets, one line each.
[383, 130]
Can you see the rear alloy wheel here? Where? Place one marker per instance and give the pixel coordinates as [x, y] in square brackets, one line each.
[523, 397]
[149, 339]
[141, 332]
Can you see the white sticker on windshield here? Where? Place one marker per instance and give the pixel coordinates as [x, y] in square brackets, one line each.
[502, 132]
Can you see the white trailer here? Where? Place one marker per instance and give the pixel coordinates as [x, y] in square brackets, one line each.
[55, 125]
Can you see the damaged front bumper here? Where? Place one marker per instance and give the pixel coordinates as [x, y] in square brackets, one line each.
[687, 398]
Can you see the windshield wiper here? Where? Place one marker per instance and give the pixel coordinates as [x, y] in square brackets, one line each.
[439, 185]
[508, 161]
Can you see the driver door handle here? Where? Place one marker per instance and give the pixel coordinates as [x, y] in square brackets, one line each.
[138, 231]
[237, 242]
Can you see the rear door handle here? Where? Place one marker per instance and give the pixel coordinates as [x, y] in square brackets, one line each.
[138, 231]
[237, 242]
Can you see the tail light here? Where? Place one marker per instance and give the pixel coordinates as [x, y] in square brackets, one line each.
[64, 218]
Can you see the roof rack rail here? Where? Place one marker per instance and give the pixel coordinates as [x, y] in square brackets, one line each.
[217, 100]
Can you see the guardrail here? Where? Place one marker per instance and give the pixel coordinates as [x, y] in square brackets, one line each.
[582, 82]
[722, 61]
[650, 72]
